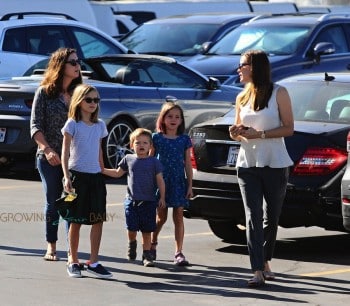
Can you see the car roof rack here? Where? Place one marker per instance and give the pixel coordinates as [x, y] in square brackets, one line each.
[268, 15]
[334, 15]
[21, 15]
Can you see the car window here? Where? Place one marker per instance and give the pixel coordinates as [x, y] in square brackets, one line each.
[273, 40]
[152, 74]
[92, 44]
[320, 102]
[35, 39]
[335, 35]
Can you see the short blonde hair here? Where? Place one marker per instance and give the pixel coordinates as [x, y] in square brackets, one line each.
[138, 132]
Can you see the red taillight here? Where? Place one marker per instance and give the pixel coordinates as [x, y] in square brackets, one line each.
[345, 201]
[320, 161]
[193, 159]
[28, 103]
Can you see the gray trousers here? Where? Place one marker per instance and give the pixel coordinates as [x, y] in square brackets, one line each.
[263, 191]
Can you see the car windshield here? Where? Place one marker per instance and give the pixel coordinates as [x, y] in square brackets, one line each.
[281, 40]
[176, 39]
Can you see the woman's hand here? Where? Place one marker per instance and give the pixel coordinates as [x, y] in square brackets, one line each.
[52, 157]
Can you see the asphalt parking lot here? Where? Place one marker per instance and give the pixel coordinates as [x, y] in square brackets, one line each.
[312, 265]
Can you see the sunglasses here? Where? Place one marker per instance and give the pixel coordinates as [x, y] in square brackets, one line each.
[74, 62]
[240, 66]
[89, 100]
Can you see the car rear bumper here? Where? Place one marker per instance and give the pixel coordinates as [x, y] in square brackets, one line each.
[17, 140]
[346, 215]
[218, 198]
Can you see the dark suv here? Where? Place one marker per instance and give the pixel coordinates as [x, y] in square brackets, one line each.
[298, 43]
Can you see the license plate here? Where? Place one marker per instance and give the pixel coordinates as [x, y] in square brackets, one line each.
[232, 155]
[2, 134]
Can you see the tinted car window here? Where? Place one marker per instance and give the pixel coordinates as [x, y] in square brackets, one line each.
[139, 73]
[14, 41]
[35, 40]
[335, 35]
[92, 44]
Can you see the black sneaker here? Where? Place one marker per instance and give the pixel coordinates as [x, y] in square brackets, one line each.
[74, 270]
[147, 259]
[132, 250]
[99, 271]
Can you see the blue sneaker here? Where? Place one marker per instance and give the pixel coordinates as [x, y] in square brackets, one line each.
[99, 271]
[74, 270]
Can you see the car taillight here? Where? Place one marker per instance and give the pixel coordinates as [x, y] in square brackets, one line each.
[345, 201]
[320, 161]
[348, 143]
[193, 159]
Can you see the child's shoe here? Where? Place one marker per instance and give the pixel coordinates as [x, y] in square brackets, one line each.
[147, 259]
[180, 259]
[99, 271]
[132, 250]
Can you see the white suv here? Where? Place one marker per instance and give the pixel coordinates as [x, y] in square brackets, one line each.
[26, 38]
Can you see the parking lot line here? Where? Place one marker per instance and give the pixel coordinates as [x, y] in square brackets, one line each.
[339, 271]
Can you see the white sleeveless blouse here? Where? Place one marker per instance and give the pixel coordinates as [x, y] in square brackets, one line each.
[259, 152]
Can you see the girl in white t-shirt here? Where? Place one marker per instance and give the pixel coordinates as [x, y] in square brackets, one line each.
[82, 163]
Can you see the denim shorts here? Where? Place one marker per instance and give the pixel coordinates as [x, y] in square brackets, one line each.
[140, 215]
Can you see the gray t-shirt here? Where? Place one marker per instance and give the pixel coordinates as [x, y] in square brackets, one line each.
[85, 145]
[142, 183]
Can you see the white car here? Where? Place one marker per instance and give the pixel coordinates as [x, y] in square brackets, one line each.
[26, 38]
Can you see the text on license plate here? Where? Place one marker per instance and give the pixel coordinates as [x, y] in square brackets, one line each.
[2, 134]
[232, 155]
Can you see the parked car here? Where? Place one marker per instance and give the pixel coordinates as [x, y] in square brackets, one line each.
[26, 38]
[321, 107]
[345, 190]
[132, 89]
[296, 43]
[182, 36]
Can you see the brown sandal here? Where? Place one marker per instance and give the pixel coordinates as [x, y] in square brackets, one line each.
[256, 282]
[51, 257]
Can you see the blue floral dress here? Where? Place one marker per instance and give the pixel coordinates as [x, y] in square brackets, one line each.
[171, 153]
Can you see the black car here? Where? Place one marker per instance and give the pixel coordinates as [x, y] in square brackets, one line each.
[132, 89]
[295, 43]
[182, 36]
[321, 107]
[345, 190]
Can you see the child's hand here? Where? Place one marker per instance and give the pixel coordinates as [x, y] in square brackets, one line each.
[161, 203]
[189, 193]
[67, 185]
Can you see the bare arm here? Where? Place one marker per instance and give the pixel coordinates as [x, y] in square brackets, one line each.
[67, 139]
[161, 187]
[113, 172]
[189, 173]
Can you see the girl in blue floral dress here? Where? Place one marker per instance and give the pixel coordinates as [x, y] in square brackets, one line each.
[172, 147]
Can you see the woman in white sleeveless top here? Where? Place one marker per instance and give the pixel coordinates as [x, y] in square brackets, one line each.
[263, 118]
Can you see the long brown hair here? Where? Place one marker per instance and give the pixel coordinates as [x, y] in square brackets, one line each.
[168, 106]
[260, 88]
[53, 77]
[78, 97]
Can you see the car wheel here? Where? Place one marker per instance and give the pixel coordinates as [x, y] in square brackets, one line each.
[228, 231]
[117, 143]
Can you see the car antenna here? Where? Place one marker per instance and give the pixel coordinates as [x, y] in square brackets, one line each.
[328, 77]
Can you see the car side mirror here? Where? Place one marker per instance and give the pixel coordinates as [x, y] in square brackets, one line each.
[206, 46]
[213, 84]
[322, 48]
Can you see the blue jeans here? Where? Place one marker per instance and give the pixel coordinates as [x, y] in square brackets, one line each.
[51, 177]
[263, 191]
